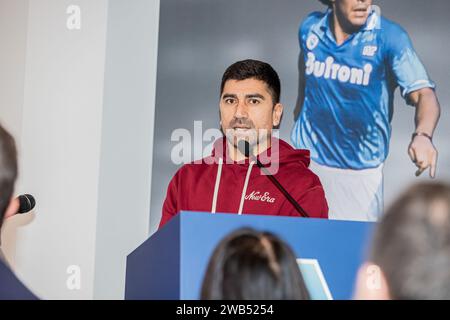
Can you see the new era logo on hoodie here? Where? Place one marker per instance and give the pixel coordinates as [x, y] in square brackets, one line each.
[259, 196]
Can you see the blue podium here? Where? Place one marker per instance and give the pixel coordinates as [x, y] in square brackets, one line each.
[172, 262]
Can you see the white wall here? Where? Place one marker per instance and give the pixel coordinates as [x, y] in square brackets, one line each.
[127, 140]
[84, 137]
[13, 35]
[60, 145]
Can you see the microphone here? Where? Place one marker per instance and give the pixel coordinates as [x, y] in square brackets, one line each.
[26, 203]
[244, 148]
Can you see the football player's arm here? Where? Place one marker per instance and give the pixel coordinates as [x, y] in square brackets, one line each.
[418, 91]
[421, 149]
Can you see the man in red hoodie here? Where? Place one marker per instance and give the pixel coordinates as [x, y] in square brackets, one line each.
[228, 182]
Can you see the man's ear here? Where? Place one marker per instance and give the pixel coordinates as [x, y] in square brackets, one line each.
[371, 283]
[12, 208]
[276, 114]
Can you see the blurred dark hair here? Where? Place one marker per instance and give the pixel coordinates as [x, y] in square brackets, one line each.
[412, 243]
[254, 69]
[327, 2]
[248, 265]
[8, 170]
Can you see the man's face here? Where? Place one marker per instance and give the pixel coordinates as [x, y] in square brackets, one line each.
[247, 111]
[354, 12]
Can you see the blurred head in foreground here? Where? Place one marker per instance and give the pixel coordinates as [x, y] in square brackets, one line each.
[248, 264]
[410, 257]
[8, 173]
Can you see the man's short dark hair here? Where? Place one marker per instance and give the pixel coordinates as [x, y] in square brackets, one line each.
[8, 170]
[327, 2]
[412, 244]
[254, 69]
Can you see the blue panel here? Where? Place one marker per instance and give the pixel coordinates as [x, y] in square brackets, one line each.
[337, 245]
[153, 269]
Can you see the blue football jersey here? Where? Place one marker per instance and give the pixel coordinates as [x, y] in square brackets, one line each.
[349, 89]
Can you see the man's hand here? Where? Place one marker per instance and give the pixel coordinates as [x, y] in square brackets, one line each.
[424, 155]
[13, 208]
[421, 149]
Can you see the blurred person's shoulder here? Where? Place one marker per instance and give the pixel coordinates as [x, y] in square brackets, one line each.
[11, 288]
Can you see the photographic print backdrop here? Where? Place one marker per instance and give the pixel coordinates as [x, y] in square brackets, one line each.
[198, 39]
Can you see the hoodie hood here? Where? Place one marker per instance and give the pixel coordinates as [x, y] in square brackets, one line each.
[280, 152]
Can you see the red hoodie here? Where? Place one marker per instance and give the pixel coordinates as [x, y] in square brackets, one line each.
[215, 185]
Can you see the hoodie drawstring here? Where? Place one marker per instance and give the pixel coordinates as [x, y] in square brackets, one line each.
[216, 186]
[244, 190]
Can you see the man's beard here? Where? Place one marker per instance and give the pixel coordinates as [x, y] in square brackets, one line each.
[244, 129]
